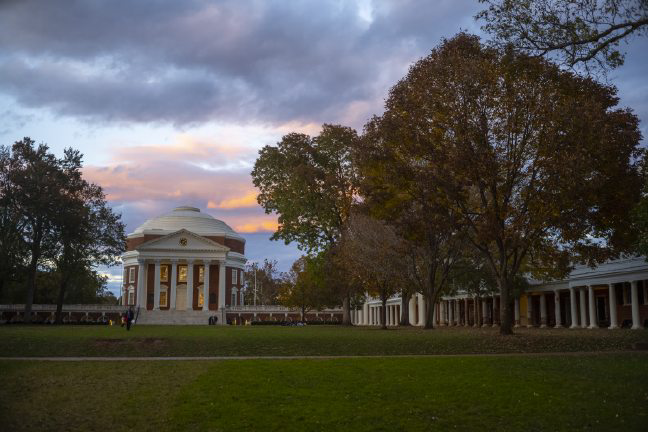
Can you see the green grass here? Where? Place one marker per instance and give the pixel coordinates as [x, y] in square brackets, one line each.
[317, 340]
[537, 393]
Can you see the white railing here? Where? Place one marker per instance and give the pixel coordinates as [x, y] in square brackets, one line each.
[275, 309]
[66, 308]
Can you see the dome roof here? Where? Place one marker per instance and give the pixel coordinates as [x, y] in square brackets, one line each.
[189, 218]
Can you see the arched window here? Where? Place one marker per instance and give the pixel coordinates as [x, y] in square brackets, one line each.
[233, 297]
[164, 298]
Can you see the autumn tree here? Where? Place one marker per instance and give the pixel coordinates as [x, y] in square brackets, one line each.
[571, 32]
[535, 164]
[401, 190]
[375, 256]
[310, 183]
[304, 287]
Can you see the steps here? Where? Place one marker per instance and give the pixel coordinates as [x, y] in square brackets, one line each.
[176, 317]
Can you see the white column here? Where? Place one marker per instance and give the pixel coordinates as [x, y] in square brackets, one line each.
[593, 323]
[572, 305]
[466, 309]
[634, 299]
[583, 311]
[206, 264]
[484, 312]
[141, 284]
[190, 286]
[365, 313]
[543, 310]
[457, 313]
[495, 310]
[517, 312]
[412, 309]
[529, 310]
[174, 277]
[451, 311]
[613, 307]
[156, 295]
[476, 311]
[221, 284]
[557, 311]
[422, 311]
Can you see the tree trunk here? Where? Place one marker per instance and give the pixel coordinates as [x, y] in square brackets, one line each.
[31, 289]
[506, 322]
[383, 312]
[405, 299]
[430, 312]
[346, 311]
[59, 302]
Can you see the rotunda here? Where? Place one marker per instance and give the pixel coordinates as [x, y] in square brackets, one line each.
[184, 260]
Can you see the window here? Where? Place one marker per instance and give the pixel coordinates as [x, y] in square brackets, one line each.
[201, 274]
[201, 297]
[182, 273]
[163, 296]
[131, 295]
[234, 274]
[233, 298]
[131, 274]
[164, 273]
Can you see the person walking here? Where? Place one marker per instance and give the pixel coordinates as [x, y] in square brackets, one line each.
[129, 318]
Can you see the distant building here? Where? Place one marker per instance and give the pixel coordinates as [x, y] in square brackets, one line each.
[184, 260]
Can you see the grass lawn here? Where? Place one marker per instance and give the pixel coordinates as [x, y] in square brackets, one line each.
[537, 393]
[18, 340]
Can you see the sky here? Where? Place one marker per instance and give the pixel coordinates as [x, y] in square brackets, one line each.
[170, 100]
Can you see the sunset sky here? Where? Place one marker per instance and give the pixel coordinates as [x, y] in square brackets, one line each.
[170, 101]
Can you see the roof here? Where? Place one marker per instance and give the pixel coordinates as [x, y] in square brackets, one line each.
[189, 218]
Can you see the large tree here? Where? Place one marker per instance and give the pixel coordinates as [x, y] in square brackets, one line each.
[537, 165]
[12, 246]
[310, 183]
[89, 233]
[572, 32]
[37, 182]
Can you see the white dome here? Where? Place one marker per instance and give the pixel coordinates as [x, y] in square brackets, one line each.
[189, 218]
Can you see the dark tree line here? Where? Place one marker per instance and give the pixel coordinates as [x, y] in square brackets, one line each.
[54, 226]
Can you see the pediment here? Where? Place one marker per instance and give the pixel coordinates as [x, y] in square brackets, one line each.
[182, 240]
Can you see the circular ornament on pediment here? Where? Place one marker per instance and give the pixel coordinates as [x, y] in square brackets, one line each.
[183, 241]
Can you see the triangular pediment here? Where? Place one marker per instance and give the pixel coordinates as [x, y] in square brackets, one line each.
[182, 240]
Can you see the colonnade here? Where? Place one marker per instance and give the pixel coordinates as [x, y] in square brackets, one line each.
[583, 310]
[586, 304]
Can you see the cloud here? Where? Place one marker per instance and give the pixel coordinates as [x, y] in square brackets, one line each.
[247, 200]
[196, 61]
[148, 180]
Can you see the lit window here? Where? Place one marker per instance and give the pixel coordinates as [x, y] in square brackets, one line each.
[234, 274]
[163, 296]
[201, 297]
[182, 273]
[201, 274]
[164, 273]
[131, 274]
